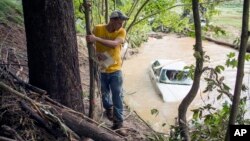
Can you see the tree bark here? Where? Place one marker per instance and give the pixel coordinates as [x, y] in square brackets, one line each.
[182, 110]
[86, 129]
[106, 11]
[52, 50]
[92, 64]
[240, 67]
[6, 139]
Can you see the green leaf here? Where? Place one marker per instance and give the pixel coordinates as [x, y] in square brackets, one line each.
[247, 57]
[231, 55]
[196, 114]
[219, 96]
[154, 112]
[208, 119]
[231, 62]
[244, 87]
[226, 87]
[234, 63]
[219, 68]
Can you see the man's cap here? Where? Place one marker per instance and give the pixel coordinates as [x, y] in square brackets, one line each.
[118, 14]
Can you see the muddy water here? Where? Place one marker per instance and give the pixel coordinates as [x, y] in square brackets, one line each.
[140, 95]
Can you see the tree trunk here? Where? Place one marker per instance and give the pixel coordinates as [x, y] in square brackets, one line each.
[92, 64]
[86, 129]
[52, 50]
[106, 11]
[182, 111]
[240, 68]
[137, 15]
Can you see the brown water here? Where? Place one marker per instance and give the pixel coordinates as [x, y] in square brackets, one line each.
[140, 95]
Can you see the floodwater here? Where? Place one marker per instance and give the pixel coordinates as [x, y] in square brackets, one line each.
[141, 96]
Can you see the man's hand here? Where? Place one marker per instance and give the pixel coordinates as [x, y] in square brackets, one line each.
[90, 38]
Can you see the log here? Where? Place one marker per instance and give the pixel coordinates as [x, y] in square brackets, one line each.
[220, 42]
[86, 129]
[6, 139]
[80, 126]
[29, 86]
[40, 121]
[12, 132]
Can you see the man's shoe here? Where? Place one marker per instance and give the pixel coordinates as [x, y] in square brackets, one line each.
[122, 132]
[117, 126]
[109, 114]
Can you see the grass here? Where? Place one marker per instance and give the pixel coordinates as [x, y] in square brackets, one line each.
[228, 16]
[11, 11]
[229, 19]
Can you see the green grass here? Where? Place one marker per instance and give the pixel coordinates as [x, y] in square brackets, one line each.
[230, 14]
[234, 21]
[229, 19]
[11, 11]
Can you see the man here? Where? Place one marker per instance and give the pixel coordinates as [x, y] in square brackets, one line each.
[108, 39]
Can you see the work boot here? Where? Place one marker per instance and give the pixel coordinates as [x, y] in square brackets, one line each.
[109, 114]
[117, 126]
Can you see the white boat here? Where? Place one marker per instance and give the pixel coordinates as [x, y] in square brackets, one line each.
[170, 79]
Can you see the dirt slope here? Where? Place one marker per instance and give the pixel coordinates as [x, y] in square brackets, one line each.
[14, 57]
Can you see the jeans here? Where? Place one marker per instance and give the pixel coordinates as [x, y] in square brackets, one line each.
[112, 96]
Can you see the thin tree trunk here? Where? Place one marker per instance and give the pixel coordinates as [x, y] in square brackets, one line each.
[103, 2]
[114, 4]
[136, 15]
[91, 53]
[106, 11]
[135, 3]
[52, 50]
[240, 68]
[182, 111]
[100, 6]
[131, 10]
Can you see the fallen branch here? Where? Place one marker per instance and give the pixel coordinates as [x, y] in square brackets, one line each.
[220, 42]
[79, 114]
[145, 122]
[6, 139]
[12, 132]
[86, 129]
[80, 126]
[7, 88]
[29, 86]
[42, 122]
[216, 41]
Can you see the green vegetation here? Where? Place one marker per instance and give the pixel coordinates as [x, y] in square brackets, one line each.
[11, 11]
[229, 19]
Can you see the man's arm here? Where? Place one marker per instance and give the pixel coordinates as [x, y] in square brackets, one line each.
[106, 42]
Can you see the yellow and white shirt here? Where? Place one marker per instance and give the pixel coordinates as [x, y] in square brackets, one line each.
[115, 53]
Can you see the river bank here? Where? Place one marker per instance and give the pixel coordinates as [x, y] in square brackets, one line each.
[140, 94]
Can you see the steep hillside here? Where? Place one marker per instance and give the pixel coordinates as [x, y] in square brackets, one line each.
[15, 123]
